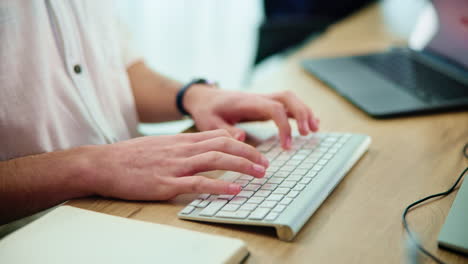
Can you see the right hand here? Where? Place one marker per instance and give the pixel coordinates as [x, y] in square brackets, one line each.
[161, 167]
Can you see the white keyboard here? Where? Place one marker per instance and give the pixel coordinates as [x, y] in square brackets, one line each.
[296, 183]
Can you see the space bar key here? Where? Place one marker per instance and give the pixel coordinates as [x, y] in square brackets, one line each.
[213, 207]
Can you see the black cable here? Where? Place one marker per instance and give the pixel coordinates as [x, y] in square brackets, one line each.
[405, 223]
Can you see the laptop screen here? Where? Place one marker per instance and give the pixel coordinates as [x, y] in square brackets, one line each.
[451, 37]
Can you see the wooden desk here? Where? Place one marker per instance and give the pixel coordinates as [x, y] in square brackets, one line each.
[361, 220]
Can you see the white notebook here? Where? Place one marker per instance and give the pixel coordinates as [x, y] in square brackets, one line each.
[72, 235]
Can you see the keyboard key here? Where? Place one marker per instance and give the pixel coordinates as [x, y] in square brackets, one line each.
[259, 213]
[272, 168]
[269, 186]
[226, 196]
[252, 187]
[293, 163]
[213, 207]
[288, 184]
[242, 183]
[195, 202]
[305, 180]
[282, 158]
[286, 201]
[188, 209]
[236, 215]
[248, 206]
[231, 176]
[333, 150]
[256, 200]
[281, 190]
[281, 174]
[322, 162]
[278, 163]
[203, 203]
[245, 194]
[275, 180]
[264, 147]
[306, 165]
[299, 187]
[293, 194]
[246, 177]
[298, 157]
[288, 168]
[275, 197]
[317, 168]
[259, 181]
[294, 177]
[272, 216]
[300, 171]
[279, 208]
[238, 200]
[311, 174]
[268, 204]
[304, 152]
[326, 144]
[231, 207]
[262, 193]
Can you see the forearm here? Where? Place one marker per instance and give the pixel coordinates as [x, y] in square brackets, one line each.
[33, 183]
[154, 94]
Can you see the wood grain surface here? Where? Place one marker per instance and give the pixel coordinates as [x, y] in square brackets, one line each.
[360, 222]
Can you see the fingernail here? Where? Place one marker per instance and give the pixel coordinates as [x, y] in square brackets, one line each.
[317, 123]
[234, 188]
[306, 126]
[265, 161]
[239, 136]
[258, 168]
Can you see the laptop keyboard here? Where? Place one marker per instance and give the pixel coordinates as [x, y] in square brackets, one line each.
[401, 68]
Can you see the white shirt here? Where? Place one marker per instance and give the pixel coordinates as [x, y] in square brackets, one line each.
[63, 79]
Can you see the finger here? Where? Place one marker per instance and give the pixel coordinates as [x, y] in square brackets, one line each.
[200, 184]
[278, 114]
[214, 160]
[235, 132]
[200, 136]
[229, 146]
[314, 122]
[264, 108]
[299, 111]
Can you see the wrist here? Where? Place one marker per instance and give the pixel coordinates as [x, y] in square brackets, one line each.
[83, 173]
[196, 95]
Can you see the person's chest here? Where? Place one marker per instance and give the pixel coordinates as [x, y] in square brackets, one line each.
[60, 85]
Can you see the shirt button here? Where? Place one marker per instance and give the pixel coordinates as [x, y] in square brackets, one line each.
[77, 69]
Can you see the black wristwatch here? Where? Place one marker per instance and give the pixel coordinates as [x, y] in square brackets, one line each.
[183, 90]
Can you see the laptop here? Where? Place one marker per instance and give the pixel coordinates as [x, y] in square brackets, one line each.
[429, 75]
[454, 234]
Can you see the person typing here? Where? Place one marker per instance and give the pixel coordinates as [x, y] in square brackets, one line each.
[73, 91]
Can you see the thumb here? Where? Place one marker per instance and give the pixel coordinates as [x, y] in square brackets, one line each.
[236, 132]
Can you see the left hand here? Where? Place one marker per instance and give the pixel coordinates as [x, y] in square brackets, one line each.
[219, 109]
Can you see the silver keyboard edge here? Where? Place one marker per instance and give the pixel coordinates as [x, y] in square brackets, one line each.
[299, 216]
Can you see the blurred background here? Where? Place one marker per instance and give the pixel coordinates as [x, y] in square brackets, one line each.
[236, 41]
